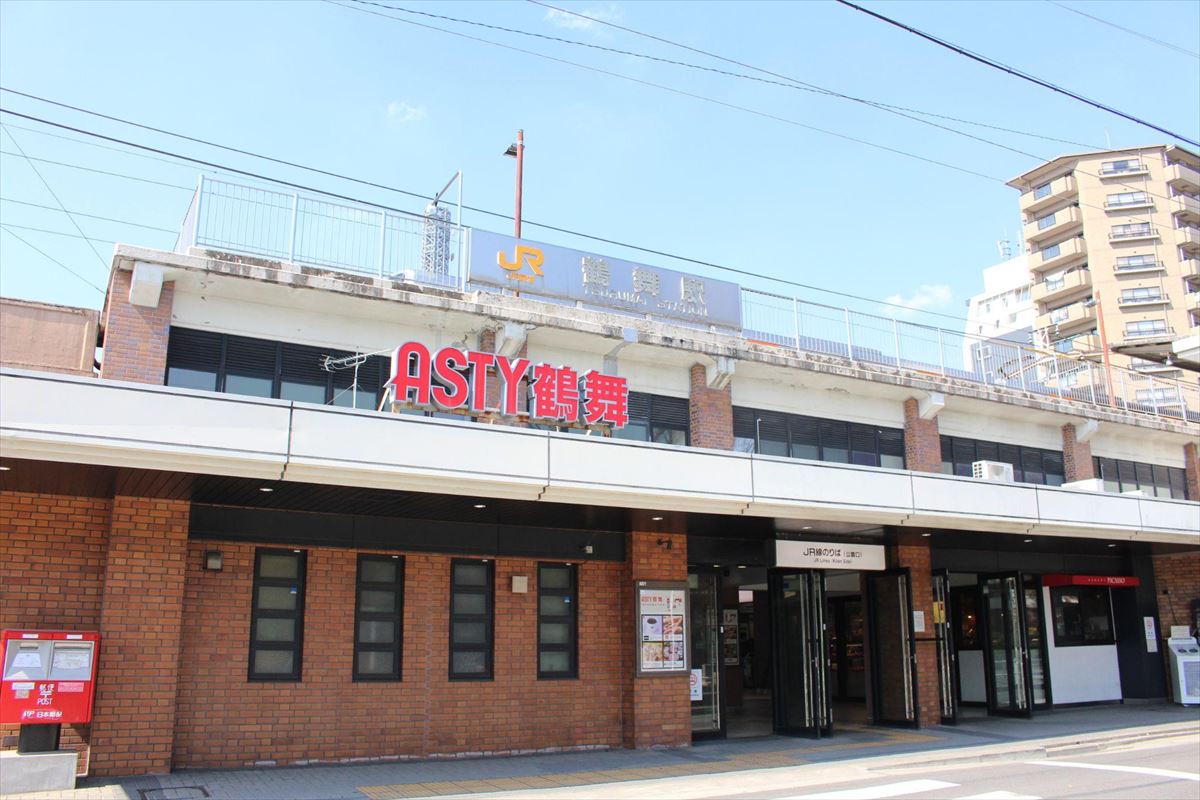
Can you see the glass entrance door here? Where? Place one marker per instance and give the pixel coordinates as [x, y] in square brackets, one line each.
[893, 650]
[1035, 639]
[704, 590]
[1006, 648]
[946, 655]
[801, 669]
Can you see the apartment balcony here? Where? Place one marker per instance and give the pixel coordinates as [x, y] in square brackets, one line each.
[1191, 271]
[1143, 301]
[1191, 301]
[1039, 199]
[1047, 292]
[1151, 265]
[1185, 207]
[1053, 226]
[1184, 178]
[1153, 333]
[1063, 254]
[1127, 171]
[1188, 238]
[1133, 235]
[1064, 320]
[1125, 205]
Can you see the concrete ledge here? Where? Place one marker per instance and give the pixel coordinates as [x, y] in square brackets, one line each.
[37, 772]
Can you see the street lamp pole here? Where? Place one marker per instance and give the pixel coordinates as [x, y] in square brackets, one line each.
[520, 170]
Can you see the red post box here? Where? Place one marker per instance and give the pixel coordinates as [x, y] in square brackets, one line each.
[49, 677]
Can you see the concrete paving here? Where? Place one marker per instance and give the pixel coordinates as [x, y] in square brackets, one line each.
[697, 771]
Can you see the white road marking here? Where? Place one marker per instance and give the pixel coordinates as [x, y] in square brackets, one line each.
[1001, 795]
[1158, 773]
[877, 792]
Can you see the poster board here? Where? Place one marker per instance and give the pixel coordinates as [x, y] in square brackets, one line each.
[729, 637]
[661, 621]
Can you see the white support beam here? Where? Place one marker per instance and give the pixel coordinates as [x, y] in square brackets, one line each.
[1085, 430]
[720, 374]
[145, 285]
[931, 405]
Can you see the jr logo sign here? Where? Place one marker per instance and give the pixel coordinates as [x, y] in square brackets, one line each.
[524, 256]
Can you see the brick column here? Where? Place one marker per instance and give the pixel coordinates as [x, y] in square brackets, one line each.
[135, 337]
[656, 711]
[1177, 578]
[912, 550]
[140, 620]
[1191, 468]
[710, 412]
[922, 443]
[1077, 456]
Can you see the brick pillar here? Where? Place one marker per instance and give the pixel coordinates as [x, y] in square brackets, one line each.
[135, 337]
[922, 443]
[656, 711]
[1077, 456]
[710, 412]
[1177, 579]
[912, 550]
[140, 620]
[1191, 468]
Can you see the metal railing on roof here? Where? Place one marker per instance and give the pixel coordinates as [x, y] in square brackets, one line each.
[363, 240]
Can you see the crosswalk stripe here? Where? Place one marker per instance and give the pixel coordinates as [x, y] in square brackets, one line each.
[1001, 795]
[877, 792]
[1158, 773]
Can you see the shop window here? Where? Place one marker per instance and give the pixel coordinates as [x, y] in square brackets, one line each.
[277, 615]
[774, 433]
[656, 418]
[558, 621]
[379, 618]
[472, 619]
[1082, 616]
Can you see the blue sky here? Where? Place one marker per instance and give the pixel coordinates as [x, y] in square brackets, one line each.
[354, 93]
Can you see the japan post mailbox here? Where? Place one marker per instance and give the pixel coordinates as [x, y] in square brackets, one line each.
[49, 677]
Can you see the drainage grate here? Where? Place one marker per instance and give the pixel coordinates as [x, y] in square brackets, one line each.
[175, 793]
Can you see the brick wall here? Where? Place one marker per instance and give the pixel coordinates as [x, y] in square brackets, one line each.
[710, 412]
[657, 709]
[922, 444]
[52, 575]
[1191, 468]
[140, 619]
[912, 550]
[1177, 578]
[1077, 456]
[224, 720]
[135, 337]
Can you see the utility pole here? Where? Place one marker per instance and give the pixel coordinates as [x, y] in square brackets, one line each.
[517, 151]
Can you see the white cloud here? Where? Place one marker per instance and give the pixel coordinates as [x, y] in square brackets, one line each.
[561, 19]
[927, 295]
[399, 113]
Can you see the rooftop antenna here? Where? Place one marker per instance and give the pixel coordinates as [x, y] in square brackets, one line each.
[1005, 248]
[331, 364]
[436, 250]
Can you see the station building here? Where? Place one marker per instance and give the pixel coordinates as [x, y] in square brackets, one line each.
[291, 563]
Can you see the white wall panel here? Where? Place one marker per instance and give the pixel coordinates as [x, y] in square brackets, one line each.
[974, 498]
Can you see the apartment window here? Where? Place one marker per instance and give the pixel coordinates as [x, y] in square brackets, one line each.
[656, 418]
[1082, 616]
[1041, 191]
[1135, 262]
[1045, 222]
[558, 621]
[1121, 165]
[1061, 313]
[1055, 282]
[796, 436]
[277, 615]
[378, 618]
[1030, 464]
[472, 618]
[1168, 396]
[1130, 230]
[263, 368]
[1126, 199]
[1146, 327]
[1051, 252]
[1145, 294]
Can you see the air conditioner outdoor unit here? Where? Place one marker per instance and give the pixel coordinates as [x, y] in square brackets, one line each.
[992, 471]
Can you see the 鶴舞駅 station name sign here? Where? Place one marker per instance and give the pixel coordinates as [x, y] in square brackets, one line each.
[565, 274]
[454, 379]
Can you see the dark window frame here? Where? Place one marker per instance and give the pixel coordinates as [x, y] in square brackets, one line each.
[396, 647]
[572, 619]
[488, 648]
[1062, 639]
[297, 644]
[797, 431]
[1124, 474]
[1047, 464]
[657, 414]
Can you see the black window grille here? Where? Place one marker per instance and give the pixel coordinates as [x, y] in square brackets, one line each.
[472, 618]
[379, 618]
[777, 434]
[558, 621]
[1150, 479]
[1030, 464]
[657, 418]
[277, 615]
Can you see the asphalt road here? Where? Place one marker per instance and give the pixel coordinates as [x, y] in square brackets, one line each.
[1164, 770]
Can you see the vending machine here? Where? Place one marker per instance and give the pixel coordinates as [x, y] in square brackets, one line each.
[1184, 655]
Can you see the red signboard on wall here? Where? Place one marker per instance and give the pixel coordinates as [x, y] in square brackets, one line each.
[1113, 581]
[47, 677]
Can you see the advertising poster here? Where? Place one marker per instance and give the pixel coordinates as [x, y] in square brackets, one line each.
[729, 637]
[662, 622]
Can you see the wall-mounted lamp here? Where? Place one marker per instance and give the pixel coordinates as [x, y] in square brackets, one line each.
[664, 543]
[213, 560]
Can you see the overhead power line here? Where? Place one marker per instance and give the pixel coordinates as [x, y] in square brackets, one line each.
[1130, 31]
[8, 229]
[373, 204]
[962, 51]
[89, 216]
[98, 171]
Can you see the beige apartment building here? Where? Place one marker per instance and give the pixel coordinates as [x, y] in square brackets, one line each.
[1113, 239]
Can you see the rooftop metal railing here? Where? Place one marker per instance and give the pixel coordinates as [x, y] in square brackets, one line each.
[364, 240]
